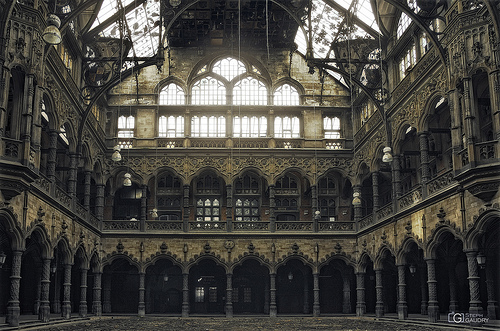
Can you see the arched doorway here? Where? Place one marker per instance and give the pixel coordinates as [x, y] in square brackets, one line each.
[250, 288]
[163, 288]
[121, 287]
[294, 288]
[5, 270]
[336, 283]
[207, 287]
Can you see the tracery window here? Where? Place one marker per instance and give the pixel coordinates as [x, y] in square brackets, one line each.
[408, 60]
[403, 24]
[249, 127]
[286, 95]
[249, 91]
[327, 192]
[331, 127]
[126, 126]
[172, 94]
[229, 68]
[208, 91]
[208, 210]
[171, 126]
[213, 126]
[286, 127]
[247, 194]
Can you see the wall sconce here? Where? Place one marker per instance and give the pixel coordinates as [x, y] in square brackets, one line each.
[290, 276]
[413, 269]
[133, 219]
[481, 260]
[154, 213]
[317, 215]
[127, 181]
[387, 155]
[165, 277]
[116, 157]
[3, 257]
[356, 201]
[53, 268]
[51, 35]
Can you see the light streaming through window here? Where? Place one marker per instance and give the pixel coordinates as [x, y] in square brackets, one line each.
[172, 94]
[209, 91]
[286, 127]
[250, 91]
[203, 126]
[171, 126]
[286, 95]
[126, 126]
[249, 127]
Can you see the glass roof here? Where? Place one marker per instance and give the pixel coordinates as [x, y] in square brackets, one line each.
[330, 23]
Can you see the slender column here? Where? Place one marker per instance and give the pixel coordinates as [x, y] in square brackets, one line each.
[346, 302]
[144, 207]
[272, 206]
[423, 293]
[86, 189]
[424, 156]
[495, 104]
[490, 287]
[316, 306]
[306, 296]
[358, 209]
[83, 293]
[396, 176]
[52, 156]
[185, 203]
[273, 311]
[38, 294]
[13, 309]
[44, 311]
[66, 306]
[96, 302]
[72, 176]
[402, 306]
[360, 294]
[314, 195]
[266, 296]
[229, 295]
[229, 208]
[379, 306]
[185, 295]
[433, 308]
[475, 300]
[469, 114]
[107, 295]
[142, 284]
[376, 201]
[99, 202]
[453, 288]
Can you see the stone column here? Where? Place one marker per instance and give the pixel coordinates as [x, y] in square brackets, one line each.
[229, 295]
[346, 302]
[360, 294]
[72, 175]
[272, 206]
[107, 295]
[99, 202]
[142, 285]
[469, 115]
[86, 188]
[66, 306]
[52, 156]
[266, 296]
[424, 156]
[13, 309]
[273, 309]
[490, 287]
[315, 207]
[44, 311]
[402, 306]
[185, 295]
[453, 288]
[144, 207]
[229, 207]
[96, 302]
[423, 293]
[396, 177]
[316, 306]
[306, 296]
[376, 201]
[495, 104]
[358, 209]
[379, 287]
[38, 294]
[475, 300]
[185, 204]
[83, 293]
[433, 308]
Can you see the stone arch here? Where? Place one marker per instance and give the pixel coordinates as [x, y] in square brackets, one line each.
[242, 259]
[382, 253]
[363, 260]
[304, 259]
[8, 220]
[65, 250]
[169, 80]
[111, 258]
[296, 171]
[40, 235]
[291, 82]
[436, 238]
[349, 262]
[429, 107]
[156, 258]
[212, 257]
[95, 263]
[481, 224]
[404, 249]
[82, 256]
[207, 170]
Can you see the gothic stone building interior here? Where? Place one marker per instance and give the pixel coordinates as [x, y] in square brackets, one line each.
[249, 157]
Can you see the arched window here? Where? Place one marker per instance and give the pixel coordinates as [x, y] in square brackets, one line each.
[126, 126]
[209, 91]
[286, 95]
[171, 126]
[403, 24]
[208, 198]
[172, 94]
[213, 126]
[286, 127]
[249, 91]
[249, 127]
[247, 195]
[331, 126]
[229, 68]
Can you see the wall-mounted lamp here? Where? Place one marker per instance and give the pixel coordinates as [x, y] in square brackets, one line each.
[356, 201]
[413, 269]
[290, 276]
[481, 260]
[165, 277]
[133, 219]
[3, 257]
[51, 35]
[387, 155]
[116, 154]
[154, 213]
[53, 268]
[127, 181]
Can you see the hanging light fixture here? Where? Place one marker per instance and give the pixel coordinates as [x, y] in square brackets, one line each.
[290, 276]
[116, 157]
[51, 35]
[413, 269]
[481, 260]
[127, 181]
[356, 201]
[154, 212]
[387, 155]
[165, 277]
[3, 257]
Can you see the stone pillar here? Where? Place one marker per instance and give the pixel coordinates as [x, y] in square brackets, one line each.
[107, 295]
[272, 206]
[229, 207]
[360, 294]
[99, 202]
[358, 209]
[379, 287]
[396, 177]
[72, 175]
[229, 295]
[185, 204]
[346, 290]
[142, 284]
[423, 293]
[38, 294]
[273, 309]
[83, 293]
[13, 309]
[490, 287]
[86, 189]
[315, 207]
[475, 300]
[402, 306]
[453, 288]
[305, 308]
[424, 156]
[96, 302]
[185, 295]
[144, 207]
[316, 306]
[266, 296]
[376, 201]
[66, 306]
[469, 120]
[44, 311]
[52, 156]
[433, 308]
[495, 104]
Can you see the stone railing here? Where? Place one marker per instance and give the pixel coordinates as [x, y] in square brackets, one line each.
[410, 198]
[121, 225]
[385, 211]
[12, 148]
[63, 197]
[366, 221]
[294, 226]
[164, 225]
[440, 182]
[251, 226]
[207, 226]
[250, 143]
[336, 226]
[487, 150]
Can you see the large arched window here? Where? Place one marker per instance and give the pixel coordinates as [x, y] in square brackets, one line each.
[208, 91]
[286, 95]
[249, 91]
[172, 94]
[169, 197]
[208, 198]
[247, 197]
[286, 127]
[249, 127]
[229, 68]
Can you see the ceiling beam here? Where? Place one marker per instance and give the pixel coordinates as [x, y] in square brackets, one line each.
[371, 31]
